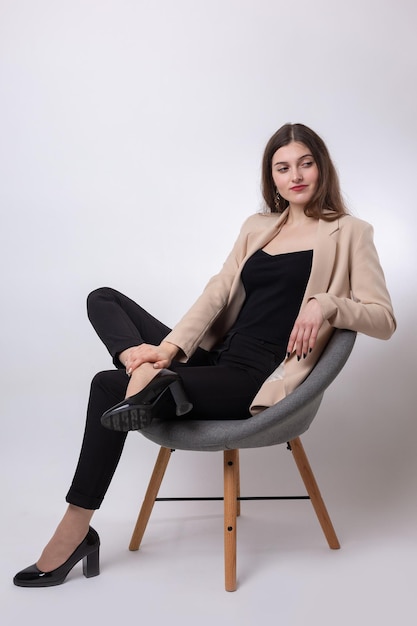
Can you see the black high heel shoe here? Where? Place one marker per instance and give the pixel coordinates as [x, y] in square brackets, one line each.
[88, 551]
[138, 411]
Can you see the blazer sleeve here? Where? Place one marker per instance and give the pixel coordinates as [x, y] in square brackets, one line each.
[189, 331]
[368, 309]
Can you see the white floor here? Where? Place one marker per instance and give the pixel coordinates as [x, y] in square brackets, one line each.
[286, 572]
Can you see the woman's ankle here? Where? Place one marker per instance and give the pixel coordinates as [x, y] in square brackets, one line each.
[70, 532]
[140, 377]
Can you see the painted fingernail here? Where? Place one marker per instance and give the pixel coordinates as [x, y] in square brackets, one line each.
[288, 355]
[298, 357]
[304, 355]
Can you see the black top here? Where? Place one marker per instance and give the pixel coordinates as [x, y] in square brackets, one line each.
[275, 286]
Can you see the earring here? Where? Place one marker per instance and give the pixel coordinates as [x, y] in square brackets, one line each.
[277, 200]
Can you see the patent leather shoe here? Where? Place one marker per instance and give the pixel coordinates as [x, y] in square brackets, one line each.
[163, 396]
[88, 551]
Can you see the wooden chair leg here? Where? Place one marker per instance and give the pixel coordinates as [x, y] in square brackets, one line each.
[313, 491]
[150, 497]
[237, 483]
[231, 468]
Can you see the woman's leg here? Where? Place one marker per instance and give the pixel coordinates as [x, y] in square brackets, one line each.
[217, 392]
[100, 454]
[121, 323]
[101, 449]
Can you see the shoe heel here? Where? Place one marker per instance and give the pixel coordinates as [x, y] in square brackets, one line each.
[91, 564]
[182, 404]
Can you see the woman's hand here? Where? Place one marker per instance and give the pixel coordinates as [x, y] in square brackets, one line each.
[306, 327]
[159, 356]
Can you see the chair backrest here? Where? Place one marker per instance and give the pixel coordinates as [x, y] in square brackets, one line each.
[277, 424]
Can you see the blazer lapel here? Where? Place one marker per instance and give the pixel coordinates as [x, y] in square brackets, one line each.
[261, 238]
[323, 258]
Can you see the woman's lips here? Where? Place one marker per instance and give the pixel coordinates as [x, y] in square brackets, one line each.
[298, 187]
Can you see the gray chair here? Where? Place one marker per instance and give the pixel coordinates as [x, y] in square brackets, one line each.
[282, 423]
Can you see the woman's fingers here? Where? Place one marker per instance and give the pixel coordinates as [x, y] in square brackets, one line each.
[146, 353]
[138, 355]
[306, 327]
[303, 340]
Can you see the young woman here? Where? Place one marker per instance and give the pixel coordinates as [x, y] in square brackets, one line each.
[296, 272]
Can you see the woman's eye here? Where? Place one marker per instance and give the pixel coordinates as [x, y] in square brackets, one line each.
[307, 164]
[282, 169]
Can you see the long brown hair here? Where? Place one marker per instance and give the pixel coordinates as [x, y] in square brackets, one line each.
[327, 202]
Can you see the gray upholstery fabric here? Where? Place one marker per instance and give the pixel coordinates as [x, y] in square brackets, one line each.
[280, 423]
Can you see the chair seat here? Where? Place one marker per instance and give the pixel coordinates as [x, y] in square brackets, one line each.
[280, 423]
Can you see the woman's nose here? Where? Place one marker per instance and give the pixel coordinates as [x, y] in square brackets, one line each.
[297, 175]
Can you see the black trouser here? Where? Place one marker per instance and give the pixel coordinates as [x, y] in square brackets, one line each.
[220, 384]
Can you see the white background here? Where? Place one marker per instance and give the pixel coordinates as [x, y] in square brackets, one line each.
[131, 135]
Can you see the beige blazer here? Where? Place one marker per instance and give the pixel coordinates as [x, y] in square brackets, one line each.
[346, 279]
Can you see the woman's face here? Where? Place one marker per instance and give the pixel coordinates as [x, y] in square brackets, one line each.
[295, 173]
